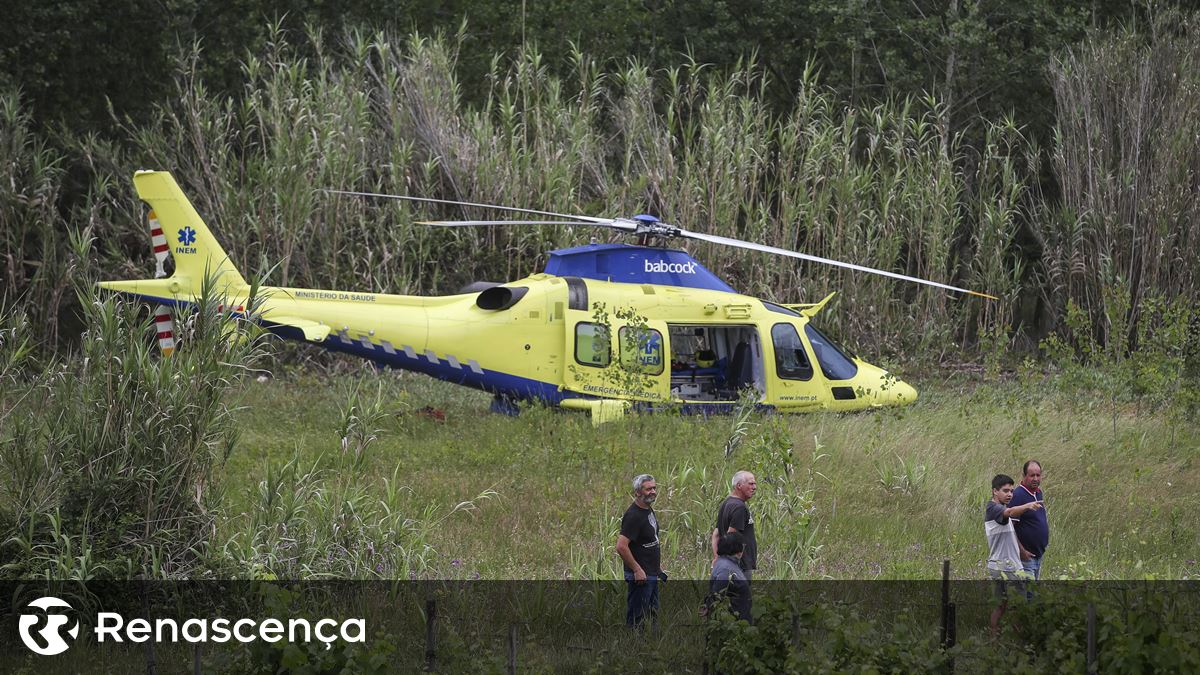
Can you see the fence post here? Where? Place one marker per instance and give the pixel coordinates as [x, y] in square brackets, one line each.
[1092, 665]
[945, 601]
[196, 660]
[949, 627]
[430, 644]
[512, 649]
[952, 634]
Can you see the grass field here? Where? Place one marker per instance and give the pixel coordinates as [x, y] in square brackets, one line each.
[366, 474]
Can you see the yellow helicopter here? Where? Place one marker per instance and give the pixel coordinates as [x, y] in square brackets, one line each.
[605, 327]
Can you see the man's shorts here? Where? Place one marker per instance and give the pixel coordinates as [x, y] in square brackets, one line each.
[1003, 578]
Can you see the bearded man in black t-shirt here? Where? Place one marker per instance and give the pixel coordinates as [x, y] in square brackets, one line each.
[639, 548]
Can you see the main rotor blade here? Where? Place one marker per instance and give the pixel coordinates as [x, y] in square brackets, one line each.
[812, 258]
[430, 200]
[481, 223]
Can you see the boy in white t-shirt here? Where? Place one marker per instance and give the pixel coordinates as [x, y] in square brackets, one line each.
[1004, 555]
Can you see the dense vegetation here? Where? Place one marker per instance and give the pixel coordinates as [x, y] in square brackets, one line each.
[1085, 225]
[926, 169]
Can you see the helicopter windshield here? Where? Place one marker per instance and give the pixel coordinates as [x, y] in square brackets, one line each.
[835, 363]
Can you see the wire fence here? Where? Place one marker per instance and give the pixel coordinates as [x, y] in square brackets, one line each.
[539, 626]
[945, 611]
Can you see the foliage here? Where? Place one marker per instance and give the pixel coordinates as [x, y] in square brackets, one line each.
[812, 637]
[904, 476]
[307, 524]
[878, 185]
[35, 259]
[897, 134]
[1154, 377]
[310, 658]
[1138, 629]
[112, 461]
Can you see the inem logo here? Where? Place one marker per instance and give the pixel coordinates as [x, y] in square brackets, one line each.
[187, 237]
[51, 633]
[688, 267]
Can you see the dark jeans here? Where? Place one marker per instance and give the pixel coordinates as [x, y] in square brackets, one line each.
[641, 599]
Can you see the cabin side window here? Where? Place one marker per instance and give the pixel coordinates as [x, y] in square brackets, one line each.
[835, 362]
[641, 350]
[593, 346]
[791, 361]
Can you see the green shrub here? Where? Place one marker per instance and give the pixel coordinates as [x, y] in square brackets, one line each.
[110, 458]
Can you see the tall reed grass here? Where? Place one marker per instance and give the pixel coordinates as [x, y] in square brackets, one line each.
[1127, 152]
[884, 186]
[110, 459]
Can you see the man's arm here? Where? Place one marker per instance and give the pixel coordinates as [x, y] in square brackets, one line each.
[639, 574]
[1013, 511]
[739, 519]
[1025, 554]
[716, 536]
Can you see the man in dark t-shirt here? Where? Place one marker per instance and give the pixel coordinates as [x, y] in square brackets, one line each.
[1033, 529]
[735, 516]
[639, 548]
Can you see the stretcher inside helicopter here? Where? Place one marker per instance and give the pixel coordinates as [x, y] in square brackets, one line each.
[714, 363]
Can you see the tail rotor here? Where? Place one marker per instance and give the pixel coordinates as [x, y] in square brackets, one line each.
[164, 324]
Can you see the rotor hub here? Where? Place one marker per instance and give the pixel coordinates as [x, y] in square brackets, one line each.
[650, 226]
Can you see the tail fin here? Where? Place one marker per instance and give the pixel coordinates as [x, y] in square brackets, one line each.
[192, 245]
[195, 250]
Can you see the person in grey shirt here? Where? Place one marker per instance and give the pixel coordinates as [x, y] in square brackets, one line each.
[729, 579]
[1004, 555]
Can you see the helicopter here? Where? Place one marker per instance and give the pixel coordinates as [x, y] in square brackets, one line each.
[604, 328]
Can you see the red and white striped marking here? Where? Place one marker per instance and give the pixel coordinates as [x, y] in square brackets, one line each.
[164, 326]
[158, 243]
[165, 329]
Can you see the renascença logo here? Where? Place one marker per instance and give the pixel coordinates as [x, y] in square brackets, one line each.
[51, 633]
[112, 627]
[688, 267]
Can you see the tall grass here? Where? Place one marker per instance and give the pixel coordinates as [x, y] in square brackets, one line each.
[111, 459]
[884, 186]
[33, 256]
[821, 510]
[1127, 149]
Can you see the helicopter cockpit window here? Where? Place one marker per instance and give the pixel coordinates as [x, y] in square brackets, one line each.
[791, 361]
[592, 344]
[834, 362]
[641, 350]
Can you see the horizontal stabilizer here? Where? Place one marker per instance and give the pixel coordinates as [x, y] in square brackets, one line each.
[166, 290]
